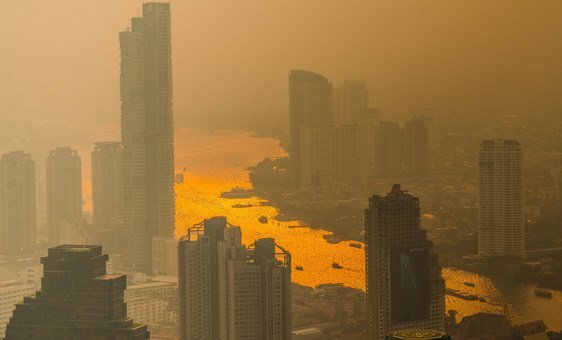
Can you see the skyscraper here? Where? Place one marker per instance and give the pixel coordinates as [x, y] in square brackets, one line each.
[228, 291]
[310, 105]
[147, 134]
[107, 193]
[405, 289]
[77, 300]
[331, 158]
[351, 102]
[17, 203]
[387, 156]
[501, 222]
[64, 197]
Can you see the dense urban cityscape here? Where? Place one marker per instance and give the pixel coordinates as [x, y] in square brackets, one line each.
[333, 219]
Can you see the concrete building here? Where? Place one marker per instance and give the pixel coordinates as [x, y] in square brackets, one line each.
[405, 289]
[64, 197]
[401, 152]
[228, 291]
[164, 256]
[107, 194]
[78, 300]
[147, 135]
[331, 157]
[310, 104]
[152, 303]
[501, 221]
[12, 292]
[351, 102]
[17, 203]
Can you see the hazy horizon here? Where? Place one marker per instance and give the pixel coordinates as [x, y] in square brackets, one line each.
[60, 60]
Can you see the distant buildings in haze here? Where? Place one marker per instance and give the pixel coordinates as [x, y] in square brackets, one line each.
[228, 291]
[401, 152]
[405, 289]
[17, 203]
[64, 197]
[107, 194]
[501, 220]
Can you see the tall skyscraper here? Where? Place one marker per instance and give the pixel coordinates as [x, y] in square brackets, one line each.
[107, 193]
[64, 197]
[228, 291]
[17, 203]
[77, 300]
[147, 135]
[331, 158]
[351, 102]
[387, 155]
[501, 222]
[310, 105]
[405, 289]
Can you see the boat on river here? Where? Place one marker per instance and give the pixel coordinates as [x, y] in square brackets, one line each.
[461, 295]
[355, 245]
[336, 265]
[543, 293]
[299, 268]
[469, 284]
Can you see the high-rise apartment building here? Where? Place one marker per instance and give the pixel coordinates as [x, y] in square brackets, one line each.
[228, 291]
[405, 289]
[501, 221]
[77, 300]
[351, 103]
[310, 105]
[147, 134]
[331, 158]
[17, 203]
[107, 193]
[64, 197]
[401, 152]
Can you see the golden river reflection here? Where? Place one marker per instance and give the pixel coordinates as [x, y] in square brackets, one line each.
[216, 162]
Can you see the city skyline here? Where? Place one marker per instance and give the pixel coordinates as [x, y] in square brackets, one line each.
[235, 202]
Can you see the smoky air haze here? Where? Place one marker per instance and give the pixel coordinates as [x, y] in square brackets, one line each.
[59, 60]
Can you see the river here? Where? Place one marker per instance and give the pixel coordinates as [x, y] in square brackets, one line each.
[214, 162]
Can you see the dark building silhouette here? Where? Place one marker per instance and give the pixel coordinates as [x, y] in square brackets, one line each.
[77, 301]
[107, 194]
[17, 203]
[310, 105]
[228, 291]
[405, 289]
[147, 135]
[64, 197]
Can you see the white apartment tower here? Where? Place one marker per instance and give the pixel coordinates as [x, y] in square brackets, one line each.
[331, 159]
[17, 203]
[501, 221]
[231, 292]
[147, 135]
[405, 289]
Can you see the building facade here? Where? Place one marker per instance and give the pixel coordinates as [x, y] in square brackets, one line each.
[401, 152]
[77, 300]
[310, 104]
[501, 221]
[351, 103]
[331, 158]
[64, 197]
[228, 291]
[107, 194]
[17, 203]
[405, 289]
[11, 293]
[147, 134]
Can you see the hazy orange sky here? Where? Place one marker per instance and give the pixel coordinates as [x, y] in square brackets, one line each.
[59, 59]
